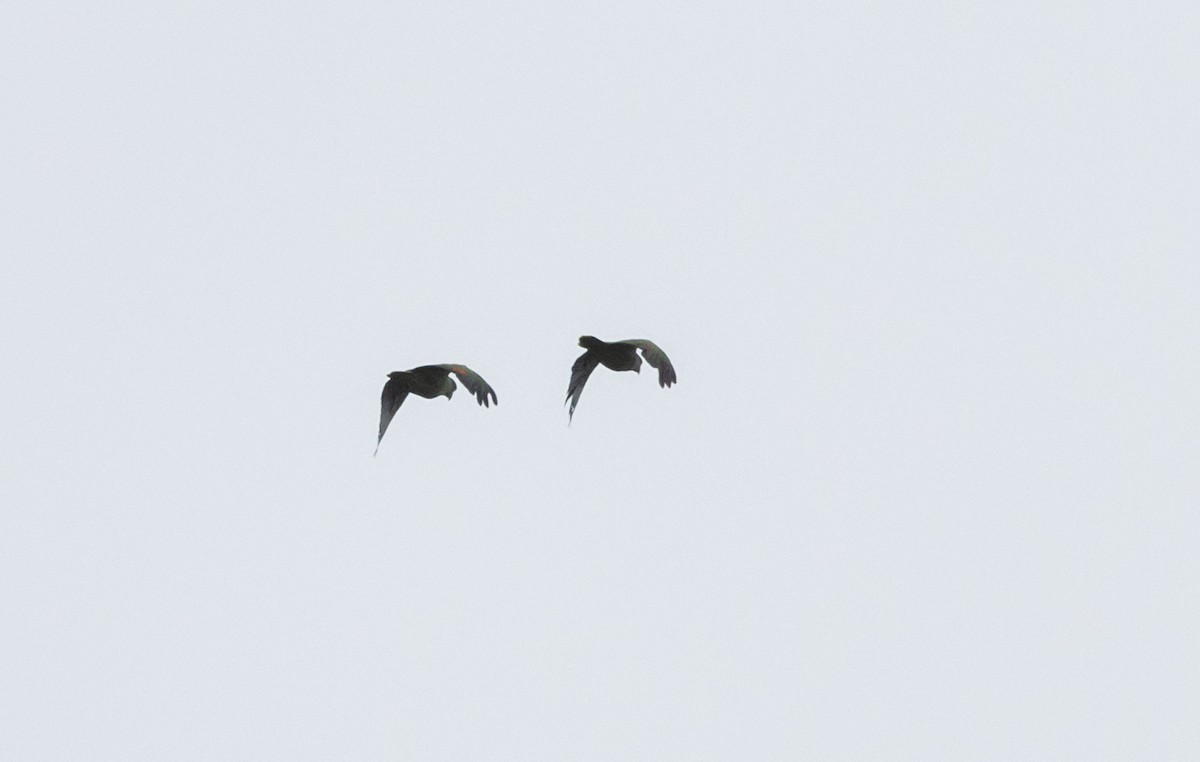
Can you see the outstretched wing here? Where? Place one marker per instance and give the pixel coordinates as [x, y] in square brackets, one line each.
[657, 359]
[474, 383]
[583, 367]
[394, 392]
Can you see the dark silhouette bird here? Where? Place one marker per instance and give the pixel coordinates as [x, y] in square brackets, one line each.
[615, 355]
[428, 381]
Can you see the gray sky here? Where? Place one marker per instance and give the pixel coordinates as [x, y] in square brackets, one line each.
[927, 487]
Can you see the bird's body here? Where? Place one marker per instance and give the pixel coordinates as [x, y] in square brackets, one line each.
[430, 382]
[618, 356]
[424, 382]
[614, 355]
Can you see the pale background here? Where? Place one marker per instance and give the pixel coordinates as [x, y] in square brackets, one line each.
[927, 487]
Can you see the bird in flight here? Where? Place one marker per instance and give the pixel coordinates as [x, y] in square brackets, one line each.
[615, 355]
[428, 381]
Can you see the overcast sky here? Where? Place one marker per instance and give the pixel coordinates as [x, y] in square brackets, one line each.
[927, 487]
